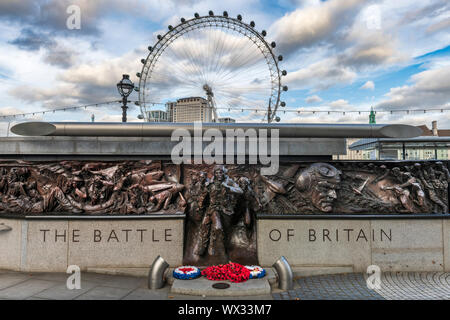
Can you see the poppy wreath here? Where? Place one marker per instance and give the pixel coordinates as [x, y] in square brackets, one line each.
[186, 273]
[233, 272]
[256, 272]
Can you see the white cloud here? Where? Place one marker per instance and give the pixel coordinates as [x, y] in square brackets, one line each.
[341, 103]
[321, 75]
[430, 88]
[369, 85]
[313, 99]
[309, 25]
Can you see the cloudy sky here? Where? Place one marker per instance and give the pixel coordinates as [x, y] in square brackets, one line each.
[339, 54]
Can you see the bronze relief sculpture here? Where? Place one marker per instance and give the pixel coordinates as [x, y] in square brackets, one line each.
[221, 202]
[76, 187]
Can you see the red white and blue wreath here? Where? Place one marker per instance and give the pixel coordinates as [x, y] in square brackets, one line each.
[186, 272]
[256, 272]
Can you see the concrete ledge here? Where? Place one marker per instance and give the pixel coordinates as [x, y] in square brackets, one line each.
[307, 271]
[202, 286]
[155, 146]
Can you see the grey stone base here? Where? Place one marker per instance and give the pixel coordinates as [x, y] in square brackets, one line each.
[340, 245]
[117, 246]
[203, 287]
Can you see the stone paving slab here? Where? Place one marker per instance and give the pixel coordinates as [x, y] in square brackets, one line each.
[351, 286]
[394, 286]
[9, 280]
[104, 293]
[26, 289]
[123, 282]
[146, 294]
[60, 292]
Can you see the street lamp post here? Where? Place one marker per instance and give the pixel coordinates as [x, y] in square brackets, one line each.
[125, 87]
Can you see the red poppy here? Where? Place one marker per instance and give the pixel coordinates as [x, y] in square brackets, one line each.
[233, 272]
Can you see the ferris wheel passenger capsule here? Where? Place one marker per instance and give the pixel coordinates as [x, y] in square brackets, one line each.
[140, 116]
[183, 20]
[150, 48]
[239, 17]
[277, 119]
[280, 58]
[196, 15]
[137, 103]
[252, 24]
[264, 33]
[283, 104]
[211, 13]
[273, 44]
[143, 61]
[284, 72]
[225, 14]
[159, 37]
[285, 88]
[138, 74]
[170, 27]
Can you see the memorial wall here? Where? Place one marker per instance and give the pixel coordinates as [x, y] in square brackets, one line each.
[122, 214]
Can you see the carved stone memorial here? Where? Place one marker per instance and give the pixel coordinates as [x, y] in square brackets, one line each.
[221, 202]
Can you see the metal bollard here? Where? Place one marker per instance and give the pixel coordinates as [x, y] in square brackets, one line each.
[156, 276]
[285, 275]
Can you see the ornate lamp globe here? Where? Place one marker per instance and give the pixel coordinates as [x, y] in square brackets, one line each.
[125, 86]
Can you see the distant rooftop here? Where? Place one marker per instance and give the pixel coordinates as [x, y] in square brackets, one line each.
[428, 136]
[428, 132]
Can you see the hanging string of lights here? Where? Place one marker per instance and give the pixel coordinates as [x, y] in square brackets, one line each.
[65, 108]
[256, 110]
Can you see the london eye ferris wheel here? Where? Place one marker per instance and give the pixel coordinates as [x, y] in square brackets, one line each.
[223, 59]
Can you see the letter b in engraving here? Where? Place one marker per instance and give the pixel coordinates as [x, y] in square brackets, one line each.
[374, 279]
[74, 281]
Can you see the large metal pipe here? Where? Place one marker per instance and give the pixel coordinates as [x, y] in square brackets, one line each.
[161, 129]
[156, 276]
[285, 274]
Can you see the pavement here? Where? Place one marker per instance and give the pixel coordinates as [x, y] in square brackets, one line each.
[353, 286]
[350, 286]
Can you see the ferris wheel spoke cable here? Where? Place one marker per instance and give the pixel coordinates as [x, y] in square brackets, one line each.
[246, 83]
[252, 73]
[213, 52]
[245, 43]
[241, 92]
[232, 72]
[221, 51]
[163, 75]
[191, 57]
[242, 101]
[188, 58]
[236, 42]
[189, 68]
